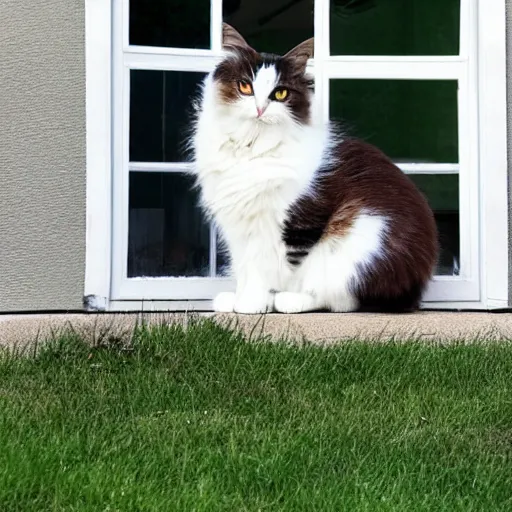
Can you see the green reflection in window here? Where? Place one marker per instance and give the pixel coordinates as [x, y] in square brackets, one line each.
[394, 27]
[410, 120]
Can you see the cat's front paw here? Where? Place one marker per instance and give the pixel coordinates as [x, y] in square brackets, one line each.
[224, 302]
[254, 304]
[291, 303]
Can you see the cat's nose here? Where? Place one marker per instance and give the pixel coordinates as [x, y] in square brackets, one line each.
[260, 110]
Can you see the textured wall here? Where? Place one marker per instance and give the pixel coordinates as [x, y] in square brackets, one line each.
[42, 154]
[509, 129]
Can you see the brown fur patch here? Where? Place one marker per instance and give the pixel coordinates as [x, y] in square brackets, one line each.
[343, 219]
[239, 66]
[366, 179]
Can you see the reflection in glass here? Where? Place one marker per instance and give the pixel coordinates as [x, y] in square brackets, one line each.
[273, 26]
[161, 114]
[167, 235]
[170, 23]
[394, 27]
[442, 192]
[410, 120]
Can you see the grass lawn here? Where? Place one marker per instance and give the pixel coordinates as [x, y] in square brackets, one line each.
[204, 421]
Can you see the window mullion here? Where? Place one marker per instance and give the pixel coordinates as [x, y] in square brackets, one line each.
[421, 168]
[216, 25]
[204, 62]
[213, 250]
[125, 23]
[321, 30]
[160, 167]
[469, 146]
[466, 29]
[396, 68]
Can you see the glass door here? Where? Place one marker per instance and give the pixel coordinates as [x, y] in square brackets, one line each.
[401, 74]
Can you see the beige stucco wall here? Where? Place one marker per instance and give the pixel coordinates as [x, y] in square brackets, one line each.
[509, 116]
[42, 154]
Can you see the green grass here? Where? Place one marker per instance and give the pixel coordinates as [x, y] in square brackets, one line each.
[204, 421]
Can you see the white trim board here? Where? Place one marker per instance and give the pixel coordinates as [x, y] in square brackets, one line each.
[492, 89]
[98, 57]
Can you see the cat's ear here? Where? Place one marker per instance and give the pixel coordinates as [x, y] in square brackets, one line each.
[301, 54]
[231, 39]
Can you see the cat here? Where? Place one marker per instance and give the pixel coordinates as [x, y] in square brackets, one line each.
[312, 220]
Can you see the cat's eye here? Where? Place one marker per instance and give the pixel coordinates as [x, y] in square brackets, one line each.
[245, 87]
[280, 94]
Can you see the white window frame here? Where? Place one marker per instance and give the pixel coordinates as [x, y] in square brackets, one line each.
[481, 73]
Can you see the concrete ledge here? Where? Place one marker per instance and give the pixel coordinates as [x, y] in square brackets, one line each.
[25, 331]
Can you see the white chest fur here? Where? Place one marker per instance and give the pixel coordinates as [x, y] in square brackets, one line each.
[248, 168]
[250, 173]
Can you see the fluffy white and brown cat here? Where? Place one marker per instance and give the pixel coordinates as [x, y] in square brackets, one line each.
[312, 220]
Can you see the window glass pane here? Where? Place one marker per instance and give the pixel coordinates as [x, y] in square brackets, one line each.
[442, 192]
[170, 23]
[160, 114]
[167, 233]
[273, 26]
[410, 120]
[395, 27]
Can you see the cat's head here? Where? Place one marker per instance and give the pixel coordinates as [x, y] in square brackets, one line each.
[266, 88]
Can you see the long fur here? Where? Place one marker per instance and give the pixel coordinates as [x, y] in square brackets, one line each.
[311, 221]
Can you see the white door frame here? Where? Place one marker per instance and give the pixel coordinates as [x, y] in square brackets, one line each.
[489, 141]
[98, 68]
